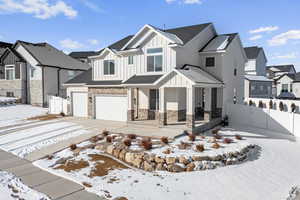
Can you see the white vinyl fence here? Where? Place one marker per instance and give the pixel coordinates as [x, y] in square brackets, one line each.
[287, 103]
[58, 105]
[265, 118]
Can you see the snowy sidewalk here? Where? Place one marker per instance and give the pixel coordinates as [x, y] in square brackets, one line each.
[53, 186]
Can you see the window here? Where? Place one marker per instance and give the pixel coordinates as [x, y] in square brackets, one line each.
[71, 74]
[154, 99]
[235, 72]
[154, 60]
[10, 94]
[210, 61]
[109, 67]
[9, 72]
[130, 60]
[285, 88]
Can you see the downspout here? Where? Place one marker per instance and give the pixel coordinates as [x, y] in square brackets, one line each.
[43, 86]
[58, 82]
[26, 83]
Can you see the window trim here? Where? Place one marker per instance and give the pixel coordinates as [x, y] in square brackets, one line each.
[109, 74]
[210, 57]
[154, 55]
[13, 67]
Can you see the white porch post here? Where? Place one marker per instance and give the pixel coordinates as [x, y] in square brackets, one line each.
[207, 106]
[130, 111]
[162, 118]
[190, 110]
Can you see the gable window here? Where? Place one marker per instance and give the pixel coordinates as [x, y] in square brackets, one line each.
[130, 60]
[154, 60]
[285, 88]
[9, 72]
[71, 74]
[109, 67]
[210, 61]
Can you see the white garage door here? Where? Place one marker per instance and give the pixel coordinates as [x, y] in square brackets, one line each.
[111, 108]
[80, 104]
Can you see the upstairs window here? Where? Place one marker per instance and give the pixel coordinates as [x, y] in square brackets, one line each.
[109, 67]
[71, 74]
[235, 72]
[210, 61]
[9, 72]
[130, 60]
[154, 60]
[285, 88]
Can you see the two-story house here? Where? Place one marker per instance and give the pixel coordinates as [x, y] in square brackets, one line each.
[185, 74]
[83, 56]
[257, 85]
[32, 71]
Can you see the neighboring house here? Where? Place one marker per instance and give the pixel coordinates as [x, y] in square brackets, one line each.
[257, 85]
[32, 71]
[83, 56]
[277, 71]
[288, 86]
[183, 74]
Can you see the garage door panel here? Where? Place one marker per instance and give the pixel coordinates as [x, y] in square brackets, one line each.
[80, 107]
[111, 108]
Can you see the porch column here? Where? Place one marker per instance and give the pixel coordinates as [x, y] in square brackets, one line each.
[130, 111]
[190, 110]
[162, 118]
[207, 106]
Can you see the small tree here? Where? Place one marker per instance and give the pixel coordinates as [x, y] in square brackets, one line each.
[250, 103]
[293, 107]
[271, 104]
[260, 104]
[281, 106]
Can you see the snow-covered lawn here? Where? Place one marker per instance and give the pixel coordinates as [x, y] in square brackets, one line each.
[11, 188]
[16, 114]
[7, 99]
[269, 175]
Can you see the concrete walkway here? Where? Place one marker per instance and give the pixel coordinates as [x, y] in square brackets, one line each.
[53, 186]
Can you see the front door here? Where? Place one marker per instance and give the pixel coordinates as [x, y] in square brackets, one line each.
[153, 103]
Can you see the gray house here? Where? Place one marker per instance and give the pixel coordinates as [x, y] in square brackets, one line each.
[32, 71]
[83, 56]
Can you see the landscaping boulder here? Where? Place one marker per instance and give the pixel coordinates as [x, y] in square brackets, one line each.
[129, 157]
[122, 154]
[137, 162]
[159, 159]
[149, 166]
[183, 160]
[190, 167]
[175, 168]
[110, 149]
[100, 147]
[161, 167]
[171, 160]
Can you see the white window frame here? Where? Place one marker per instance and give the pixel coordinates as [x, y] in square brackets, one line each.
[11, 67]
[109, 68]
[155, 54]
[129, 59]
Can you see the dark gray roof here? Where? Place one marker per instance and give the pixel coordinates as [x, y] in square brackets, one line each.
[297, 77]
[252, 52]
[82, 78]
[111, 82]
[47, 55]
[231, 36]
[144, 79]
[3, 46]
[82, 54]
[282, 68]
[187, 33]
[119, 44]
[7, 51]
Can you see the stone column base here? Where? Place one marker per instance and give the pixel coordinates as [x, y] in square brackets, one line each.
[130, 115]
[190, 121]
[207, 115]
[162, 119]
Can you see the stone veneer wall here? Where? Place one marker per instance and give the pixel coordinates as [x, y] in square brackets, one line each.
[15, 86]
[36, 92]
[176, 115]
[94, 91]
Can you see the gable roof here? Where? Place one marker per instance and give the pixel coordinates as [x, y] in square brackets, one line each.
[219, 43]
[47, 55]
[252, 52]
[82, 54]
[142, 79]
[82, 78]
[119, 44]
[13, 51]
[3, 46]
[295, 77]
[281, 68]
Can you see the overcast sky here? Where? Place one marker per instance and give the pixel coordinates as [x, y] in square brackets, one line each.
[74, 25]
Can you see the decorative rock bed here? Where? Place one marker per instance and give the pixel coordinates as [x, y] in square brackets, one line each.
[168, 157]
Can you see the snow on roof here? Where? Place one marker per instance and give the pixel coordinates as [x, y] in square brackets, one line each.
[257, 78]
[219, 43]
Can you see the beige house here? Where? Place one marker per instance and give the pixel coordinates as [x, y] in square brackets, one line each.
[177, 76]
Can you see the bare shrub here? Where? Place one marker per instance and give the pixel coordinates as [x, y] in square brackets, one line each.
[127, 142]
[109, 139]
[217, 136]
[250, 103]
[73, 147]
[200, 147]
[105, 132]
[215, 131]
[146, 144]
[271, 104]
[131, 136]
[238, 137]
[216, 146]
[164, 140]
[293, 107]
[183, 145]
[95, 139]
[227, 141]
[281, 106]
[260, 104]
[192, 137]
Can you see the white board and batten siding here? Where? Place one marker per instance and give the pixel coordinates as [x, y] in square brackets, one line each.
[123, 71]
[111, 107]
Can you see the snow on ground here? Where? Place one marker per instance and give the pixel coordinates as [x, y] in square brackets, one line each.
[23, 142]
[269, 175]
[11, 188]
[16, 114]
[7, 99]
